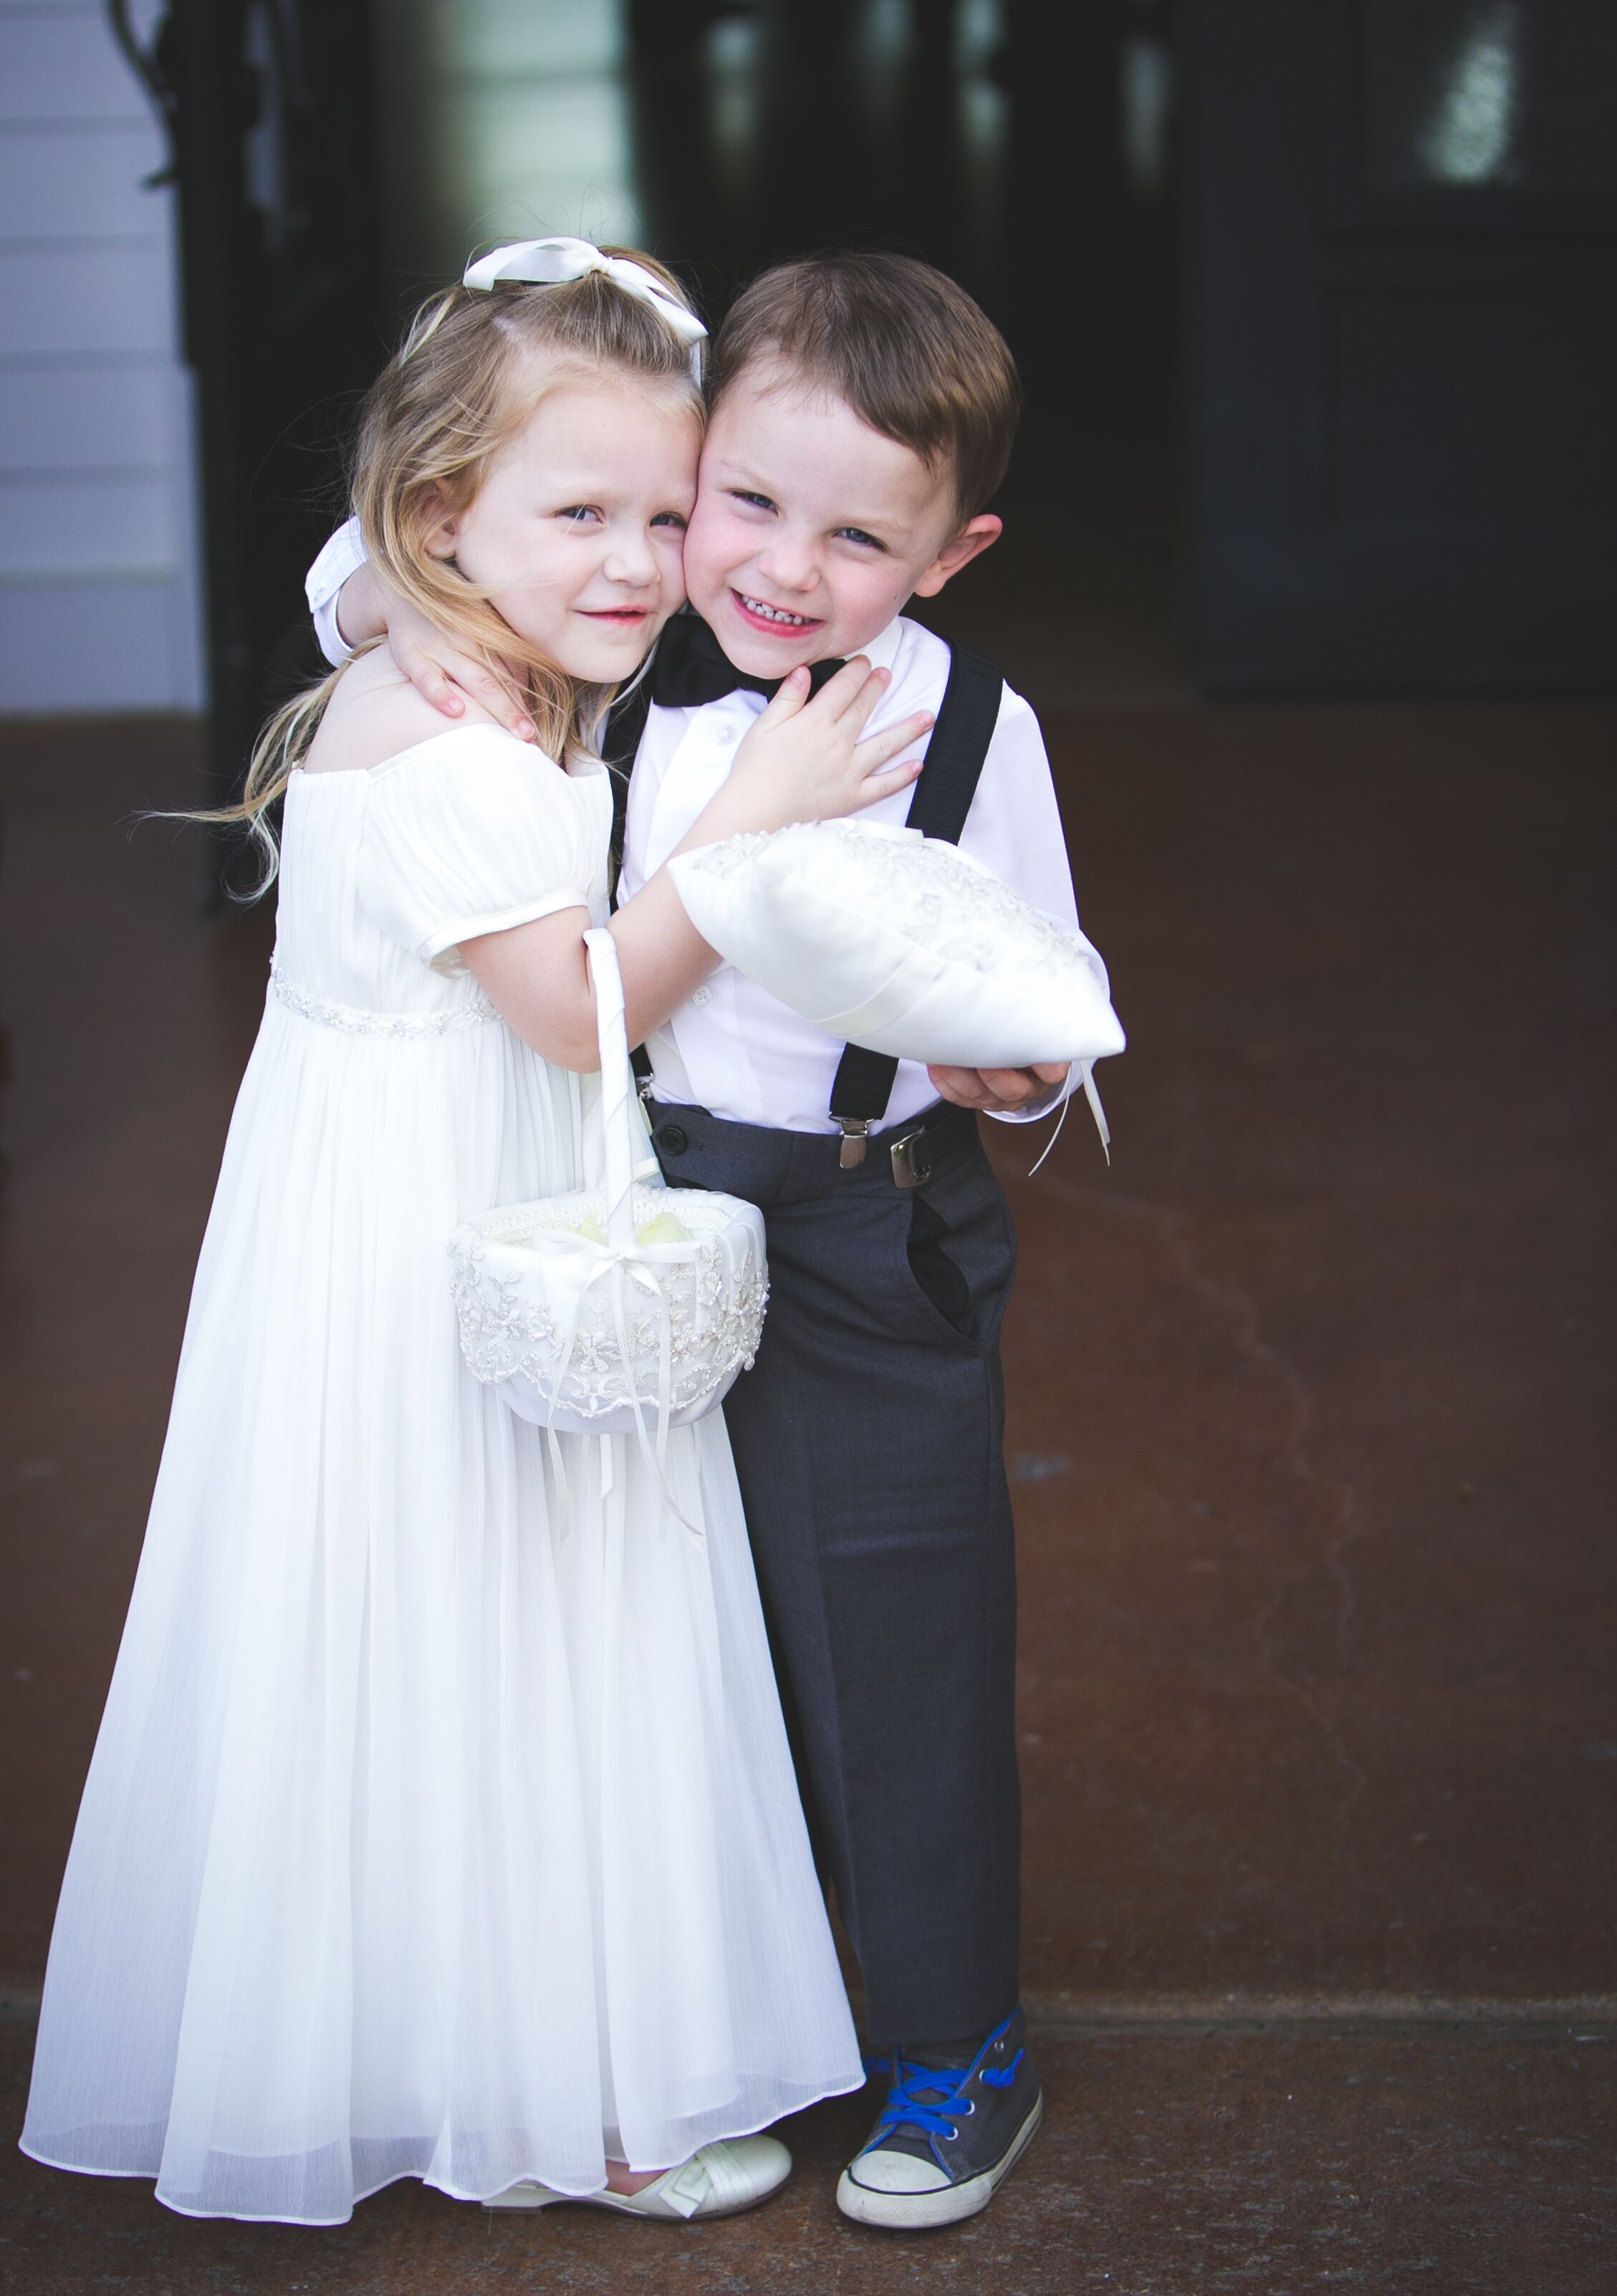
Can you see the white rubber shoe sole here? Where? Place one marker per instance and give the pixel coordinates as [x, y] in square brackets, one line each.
[945, 2204]
[721, 2181]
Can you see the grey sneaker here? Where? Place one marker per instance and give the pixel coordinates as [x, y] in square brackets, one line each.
[947, 2136]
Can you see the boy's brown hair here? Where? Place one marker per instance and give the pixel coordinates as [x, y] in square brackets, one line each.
[900, 344]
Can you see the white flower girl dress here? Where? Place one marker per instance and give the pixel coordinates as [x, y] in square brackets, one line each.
[431, 1830]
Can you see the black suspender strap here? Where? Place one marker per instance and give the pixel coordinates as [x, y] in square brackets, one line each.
[625, 723]
[958, 744]
[948, 782]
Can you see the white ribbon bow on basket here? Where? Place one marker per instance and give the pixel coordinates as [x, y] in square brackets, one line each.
[553, 262]
[585, 1327]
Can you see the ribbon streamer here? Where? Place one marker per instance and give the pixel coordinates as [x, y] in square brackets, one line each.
[617, 1266]
[1086, 1071]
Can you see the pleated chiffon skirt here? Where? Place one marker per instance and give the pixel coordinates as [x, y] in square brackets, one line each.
[433, 1829]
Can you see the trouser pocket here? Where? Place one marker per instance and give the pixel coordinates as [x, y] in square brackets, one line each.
[960, 1250]
[939, 1276]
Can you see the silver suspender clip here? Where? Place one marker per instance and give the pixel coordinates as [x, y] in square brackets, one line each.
[909, 1169]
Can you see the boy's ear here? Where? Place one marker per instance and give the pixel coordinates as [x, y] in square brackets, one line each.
[976, 536]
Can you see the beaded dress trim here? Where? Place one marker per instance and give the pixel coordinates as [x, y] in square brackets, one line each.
[361, 1021]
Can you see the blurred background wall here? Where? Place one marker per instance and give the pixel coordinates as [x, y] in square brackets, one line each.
[99, 555]
[186, 225]
[1315, 302]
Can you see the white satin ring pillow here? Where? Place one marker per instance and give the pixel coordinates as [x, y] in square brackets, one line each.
[896, 942]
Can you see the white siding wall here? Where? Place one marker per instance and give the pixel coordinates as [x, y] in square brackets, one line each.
[99, 605]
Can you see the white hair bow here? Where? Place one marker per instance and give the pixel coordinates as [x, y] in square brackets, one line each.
[551, 262]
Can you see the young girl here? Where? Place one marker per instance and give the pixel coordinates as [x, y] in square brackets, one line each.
[428, 1834]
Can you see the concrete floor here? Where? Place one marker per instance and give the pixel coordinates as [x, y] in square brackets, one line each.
[1309, 1400]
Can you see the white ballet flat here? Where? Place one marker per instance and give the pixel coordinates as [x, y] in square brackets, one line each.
[720, 2180]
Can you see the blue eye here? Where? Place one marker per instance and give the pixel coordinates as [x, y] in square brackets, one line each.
[857, 534]
[576, 513]
[670, 518]
[753, 501]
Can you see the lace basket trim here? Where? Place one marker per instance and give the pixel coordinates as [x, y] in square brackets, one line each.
[360, 1022]
[693, 1325]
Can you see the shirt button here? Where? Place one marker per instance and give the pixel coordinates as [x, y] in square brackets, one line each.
[724, 735]
[673, 1139]
[702, 996]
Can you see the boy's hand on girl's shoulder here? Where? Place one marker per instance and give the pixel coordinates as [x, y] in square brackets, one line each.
[999, 1091]
[367, 608]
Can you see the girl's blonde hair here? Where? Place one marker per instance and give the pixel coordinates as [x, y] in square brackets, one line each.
[448, 400]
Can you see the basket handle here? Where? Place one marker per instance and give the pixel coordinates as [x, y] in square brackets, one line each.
[617, 1087]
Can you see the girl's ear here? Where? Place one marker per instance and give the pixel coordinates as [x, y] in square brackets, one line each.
[443, 530]
[976, 536]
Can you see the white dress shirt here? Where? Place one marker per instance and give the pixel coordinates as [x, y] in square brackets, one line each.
[733, 1047]
[344, 554]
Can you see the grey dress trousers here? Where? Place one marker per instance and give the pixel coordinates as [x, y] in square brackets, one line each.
[868, 1442]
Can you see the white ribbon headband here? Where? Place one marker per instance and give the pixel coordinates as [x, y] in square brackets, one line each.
[553, 262]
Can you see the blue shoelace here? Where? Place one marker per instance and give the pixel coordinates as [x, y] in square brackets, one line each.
[907, 2109]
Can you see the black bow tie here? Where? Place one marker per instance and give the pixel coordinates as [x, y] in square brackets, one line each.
[690, 667]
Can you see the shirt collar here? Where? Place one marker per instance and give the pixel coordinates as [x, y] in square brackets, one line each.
[882, 651]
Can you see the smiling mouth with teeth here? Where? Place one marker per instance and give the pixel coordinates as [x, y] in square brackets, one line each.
[766, 613]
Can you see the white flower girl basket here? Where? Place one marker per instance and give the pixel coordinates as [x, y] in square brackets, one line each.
[622, 1310]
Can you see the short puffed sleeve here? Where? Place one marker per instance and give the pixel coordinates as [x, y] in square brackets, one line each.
[475, 832]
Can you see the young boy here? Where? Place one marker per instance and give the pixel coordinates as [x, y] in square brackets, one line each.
[864, 412]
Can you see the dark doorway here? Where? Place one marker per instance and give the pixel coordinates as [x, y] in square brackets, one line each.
[1403, 214]
[1028, 149]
